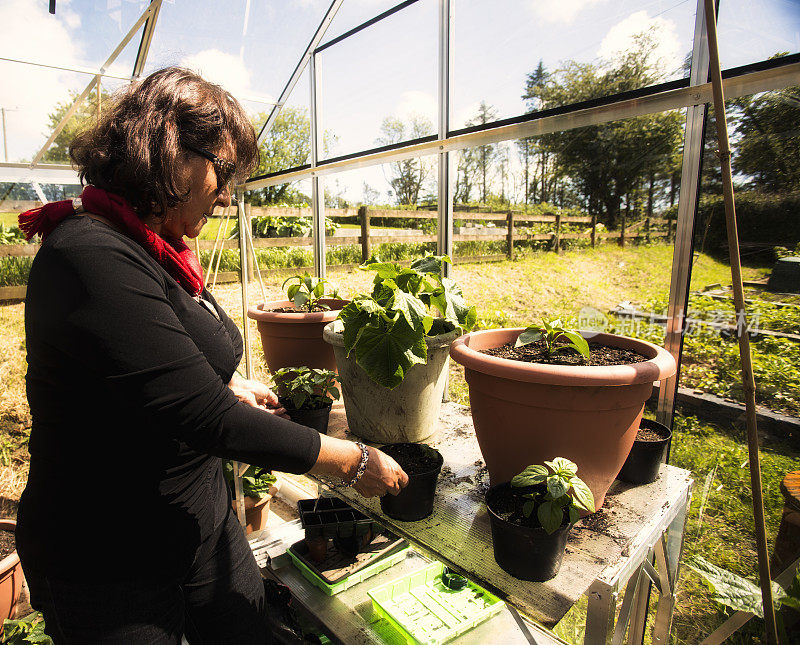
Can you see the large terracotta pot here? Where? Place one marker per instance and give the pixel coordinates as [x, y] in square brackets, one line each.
[295, 339]
[526, 413]
[10, 578]
[409, 412]
[256, 511]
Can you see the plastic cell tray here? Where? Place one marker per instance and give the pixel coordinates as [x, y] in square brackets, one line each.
[382, 564]
[422, 610]
[331, 517]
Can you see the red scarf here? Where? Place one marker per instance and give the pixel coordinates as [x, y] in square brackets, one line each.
[172, 254]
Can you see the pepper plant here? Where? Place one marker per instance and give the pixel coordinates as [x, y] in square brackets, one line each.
[386, 328]
[307, 290]
[307, 388]
[256, 481]
[552, 488]
[553, 333]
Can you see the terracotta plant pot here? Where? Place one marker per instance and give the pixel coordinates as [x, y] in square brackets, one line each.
[294, 339]
[10, 578]
[409, 412]
[256, 511]
[526, 413]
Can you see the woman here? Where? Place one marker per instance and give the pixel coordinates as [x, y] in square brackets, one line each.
[125, 530]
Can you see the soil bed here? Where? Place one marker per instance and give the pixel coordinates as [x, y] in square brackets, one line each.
[413, 460]
[537, 353]
[508, 506]
[295, 310]
[7, 543]
[646, 434]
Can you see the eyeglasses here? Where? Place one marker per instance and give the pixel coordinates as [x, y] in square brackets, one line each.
[223, 168]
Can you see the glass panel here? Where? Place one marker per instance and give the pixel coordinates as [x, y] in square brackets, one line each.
[503, 53]
[251, 48]
[353, 14]
[379, 86]
[754, 31]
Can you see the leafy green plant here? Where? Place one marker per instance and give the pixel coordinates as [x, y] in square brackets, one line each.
[386, 328]
[27, 630]
[306, 290]
[307, 388]
[556, 338]
[11, 235]
[552, 488]
[256, 481]
[740, 594]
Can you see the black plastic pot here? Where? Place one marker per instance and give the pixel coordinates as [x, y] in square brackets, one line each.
[646, 457]
[526, 553]
[415, 501]
[316, 419]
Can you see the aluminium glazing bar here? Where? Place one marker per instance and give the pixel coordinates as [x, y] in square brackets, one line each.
[777, 77]
[444, 244]
[147, 38]
[301, 65]
[42, 173]
[65, 68]
[317, 188]
[366, 24]
[79, 99]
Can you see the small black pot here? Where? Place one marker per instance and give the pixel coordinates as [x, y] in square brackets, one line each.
[646, 457]
[415, 501]
[526, 553]
[317, 419]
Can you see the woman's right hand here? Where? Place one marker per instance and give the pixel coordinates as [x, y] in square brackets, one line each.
[382, 475]
[340, 458]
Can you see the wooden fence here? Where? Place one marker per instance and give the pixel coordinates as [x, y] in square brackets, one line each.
[509, 230]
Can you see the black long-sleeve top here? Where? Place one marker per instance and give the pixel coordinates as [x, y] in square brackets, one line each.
[131, 413]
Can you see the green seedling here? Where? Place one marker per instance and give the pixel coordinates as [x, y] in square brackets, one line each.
[552, 488]
[307, 388]
[306, 291]
[556, 338]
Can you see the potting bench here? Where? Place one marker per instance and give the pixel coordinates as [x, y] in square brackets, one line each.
[637, 536]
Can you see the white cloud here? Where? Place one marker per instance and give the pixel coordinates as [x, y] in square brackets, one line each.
[31, 92]
[667, 55]
[226, 70]
[561, 10]
[417, 103]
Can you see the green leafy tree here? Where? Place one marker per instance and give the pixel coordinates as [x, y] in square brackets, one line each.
[84, 116]
[407, 177]
[486, 155]
[609, 163]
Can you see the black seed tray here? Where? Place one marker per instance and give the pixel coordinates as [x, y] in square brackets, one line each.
[334, 518]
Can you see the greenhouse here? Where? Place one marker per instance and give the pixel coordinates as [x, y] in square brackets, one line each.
[414, 321]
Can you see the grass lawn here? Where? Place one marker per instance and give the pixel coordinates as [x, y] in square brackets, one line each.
[9, 219]
[517, 293]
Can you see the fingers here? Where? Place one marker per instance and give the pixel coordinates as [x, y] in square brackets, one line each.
[270, 398]
[383, 475]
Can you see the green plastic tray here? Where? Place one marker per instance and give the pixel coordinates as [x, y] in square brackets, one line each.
[424, 611]
[354, 578]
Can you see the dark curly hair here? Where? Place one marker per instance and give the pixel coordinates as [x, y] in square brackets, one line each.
[136, 149]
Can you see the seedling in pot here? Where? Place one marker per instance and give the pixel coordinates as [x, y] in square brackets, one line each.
[306, 291]
[256, 481]
[550, 490]
[556, 338]
[305, 388]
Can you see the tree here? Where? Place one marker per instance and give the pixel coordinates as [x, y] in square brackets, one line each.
[769, 143]
[84, 116]
[610, 163]
[466, 175]
[485, 155]
[408, 175]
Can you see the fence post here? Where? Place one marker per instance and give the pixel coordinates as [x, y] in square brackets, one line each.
[557, 239]
[622, 230]
[248, 221]
[594, 230]
[647, 228]
[510, 235]
[363, 216]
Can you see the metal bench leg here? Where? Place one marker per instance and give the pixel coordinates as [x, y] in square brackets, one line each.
[600, 615]
[668, 558]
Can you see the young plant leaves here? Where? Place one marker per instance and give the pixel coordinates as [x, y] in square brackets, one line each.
[531, 476]
[550, 515]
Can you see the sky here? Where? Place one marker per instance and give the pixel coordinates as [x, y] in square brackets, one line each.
[390, 69]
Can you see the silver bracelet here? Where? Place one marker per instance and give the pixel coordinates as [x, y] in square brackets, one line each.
[362, 466]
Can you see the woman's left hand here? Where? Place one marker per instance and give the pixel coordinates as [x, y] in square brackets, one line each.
[256, 394]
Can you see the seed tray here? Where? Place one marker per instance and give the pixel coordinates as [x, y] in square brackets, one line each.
[334, 518]
[339, 571]
[424, 611]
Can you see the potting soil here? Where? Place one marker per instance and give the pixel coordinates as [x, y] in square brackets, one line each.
[7, 543]
[411, 458]
[536, 352]
[295, 310]
[647, 434]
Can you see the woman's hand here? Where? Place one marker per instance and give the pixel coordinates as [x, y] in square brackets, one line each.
[339, 458]
[256, 394]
